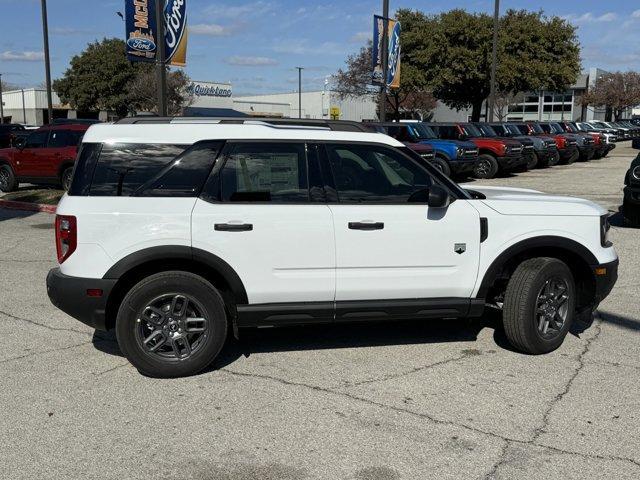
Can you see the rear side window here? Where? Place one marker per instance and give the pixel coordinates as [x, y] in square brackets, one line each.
[123, 168]
[83, 169]
[37, 139]
[64, 138]
[265, 172]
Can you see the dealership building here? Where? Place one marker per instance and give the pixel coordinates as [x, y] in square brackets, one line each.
[29, 106]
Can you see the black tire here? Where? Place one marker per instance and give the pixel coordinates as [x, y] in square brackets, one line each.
[631, 214]
[527, 329]
[532, 161]
[8, 181]
[168, 360]
[486, 166]
[554, 159]
[65, 178]
[442, 165]
[542, 161]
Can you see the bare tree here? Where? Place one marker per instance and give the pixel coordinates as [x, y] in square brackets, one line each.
[616, 92]
[503, 101]
[355, 81]
[142, 91]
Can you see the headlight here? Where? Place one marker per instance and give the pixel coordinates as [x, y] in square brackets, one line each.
[460, 151]
[604, 231]
[635, 173]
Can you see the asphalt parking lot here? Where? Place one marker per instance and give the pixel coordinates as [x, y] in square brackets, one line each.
[443, 399]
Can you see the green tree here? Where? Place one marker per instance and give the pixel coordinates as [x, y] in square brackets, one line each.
[101, 78]
[452, 53]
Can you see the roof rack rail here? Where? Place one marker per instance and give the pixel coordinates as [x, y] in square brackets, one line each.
[336, 125]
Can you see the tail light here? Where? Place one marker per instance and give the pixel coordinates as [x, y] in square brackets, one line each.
[66, 236]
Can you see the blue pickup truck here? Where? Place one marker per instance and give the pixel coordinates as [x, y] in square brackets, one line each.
[452, 156]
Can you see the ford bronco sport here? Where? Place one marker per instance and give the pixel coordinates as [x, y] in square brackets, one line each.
[175, 233]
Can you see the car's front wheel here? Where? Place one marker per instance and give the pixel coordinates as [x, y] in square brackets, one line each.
[442, 165]
[8, 181]
[65, 178]
[539, 305]
[486, 167]
[171, 324]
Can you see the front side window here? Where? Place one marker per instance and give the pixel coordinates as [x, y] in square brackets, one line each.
[64, 138]
[375, 174]
[265, 172]
[123, 167]
[37, 139]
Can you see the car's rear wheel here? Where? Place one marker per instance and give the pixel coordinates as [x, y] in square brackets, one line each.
[532, 161]
[554, 159]
[539, 305]
[8, 181]
[486, 167]
[441, 165]
[65, 178]
[171, 324]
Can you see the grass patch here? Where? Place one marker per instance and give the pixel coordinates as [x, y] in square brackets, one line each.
[44, 196]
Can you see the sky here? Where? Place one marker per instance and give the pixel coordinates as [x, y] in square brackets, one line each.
[256, 44]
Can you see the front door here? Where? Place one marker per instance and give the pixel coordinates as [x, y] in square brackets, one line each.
[389, 244]
[29, 158]
[263, 213]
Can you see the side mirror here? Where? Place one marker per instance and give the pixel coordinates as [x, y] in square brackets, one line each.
[438, 197]
[20, 142]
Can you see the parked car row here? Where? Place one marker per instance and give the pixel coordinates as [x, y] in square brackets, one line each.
[485, 150]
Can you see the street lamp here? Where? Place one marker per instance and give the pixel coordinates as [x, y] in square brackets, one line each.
[47, 62]
[494, 54]
[300, 91]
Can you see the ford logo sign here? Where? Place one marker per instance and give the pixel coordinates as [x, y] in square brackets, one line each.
[394, 54]
[141, 44]
[175, 13]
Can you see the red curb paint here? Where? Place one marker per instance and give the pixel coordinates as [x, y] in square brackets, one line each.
[30, 207]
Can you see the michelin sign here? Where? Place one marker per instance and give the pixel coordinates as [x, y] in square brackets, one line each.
[142, 35]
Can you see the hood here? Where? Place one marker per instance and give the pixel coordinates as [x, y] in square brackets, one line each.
[419, 147]
[521, 201]
[457, 143]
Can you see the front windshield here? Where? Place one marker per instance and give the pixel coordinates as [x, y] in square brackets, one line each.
[555, 128]
[571, 127]
[486, 130]
[536, 128]
[515, 129]
[585, 126]
[421, 131]
[470, 130]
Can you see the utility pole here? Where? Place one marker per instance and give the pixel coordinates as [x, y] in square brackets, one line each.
[24, 109]
[1, 102]
[47, 63]
[300, 91]
[161, 70]
[385, 59]
[494, 55]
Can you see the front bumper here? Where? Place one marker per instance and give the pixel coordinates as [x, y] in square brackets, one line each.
[463, 166]
[70, 294]
[605, 275]
[632, 195]
[512, 162]
[586, 152]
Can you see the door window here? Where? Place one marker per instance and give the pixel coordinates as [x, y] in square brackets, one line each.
[375, 174]
[37, 139]
[64, 138]
[266, 172]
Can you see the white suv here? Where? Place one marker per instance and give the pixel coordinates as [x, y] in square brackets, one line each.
[178, 231]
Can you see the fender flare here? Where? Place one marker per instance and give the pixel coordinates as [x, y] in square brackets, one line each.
[547, 241]
[180, 252]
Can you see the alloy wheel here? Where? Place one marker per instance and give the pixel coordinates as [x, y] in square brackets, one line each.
[552, 307]
[172, 327]
[483, 168]
[4, 179]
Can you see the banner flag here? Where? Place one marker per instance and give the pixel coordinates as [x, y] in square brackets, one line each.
[393, 64]
[141, 31]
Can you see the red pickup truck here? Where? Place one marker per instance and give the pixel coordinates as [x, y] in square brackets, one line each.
[46, 156]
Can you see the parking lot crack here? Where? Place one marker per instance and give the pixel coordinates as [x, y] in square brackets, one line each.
[48, 327]
[502, 458]
[546, 417]
[42, 352]
[411, 371]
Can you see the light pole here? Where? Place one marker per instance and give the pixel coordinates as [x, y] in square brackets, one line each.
[160, 60]
[1, 102]
[47, 63]
[494, 55]
[385, 60]
[300, 91]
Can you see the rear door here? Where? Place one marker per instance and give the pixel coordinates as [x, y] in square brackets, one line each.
[61, 150]
[388, 246]
[263, 213]
[28, 159]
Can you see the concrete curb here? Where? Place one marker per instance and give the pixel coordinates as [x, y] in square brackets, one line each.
[26, 206]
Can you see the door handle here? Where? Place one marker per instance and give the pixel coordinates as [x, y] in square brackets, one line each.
[366, 225]
[233, 227]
